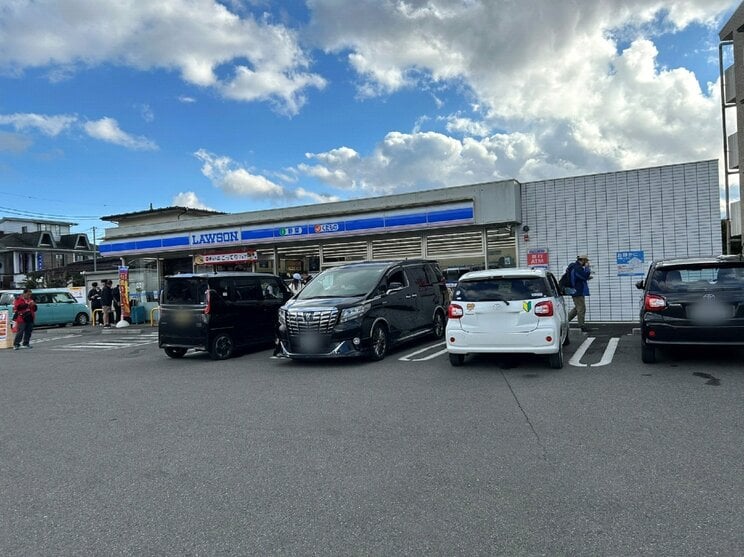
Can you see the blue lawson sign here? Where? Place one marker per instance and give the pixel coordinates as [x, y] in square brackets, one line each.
[630, 263]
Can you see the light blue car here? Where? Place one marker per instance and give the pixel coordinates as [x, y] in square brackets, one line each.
[55, 306]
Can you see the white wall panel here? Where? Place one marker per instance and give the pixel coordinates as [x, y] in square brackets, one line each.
[663, 211]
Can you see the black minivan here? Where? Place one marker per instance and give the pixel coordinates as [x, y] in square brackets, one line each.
[364, 308]
[219, 312]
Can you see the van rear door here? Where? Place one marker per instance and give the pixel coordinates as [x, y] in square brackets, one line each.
[182, 320]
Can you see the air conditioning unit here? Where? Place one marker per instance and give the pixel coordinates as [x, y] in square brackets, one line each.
[733, 151]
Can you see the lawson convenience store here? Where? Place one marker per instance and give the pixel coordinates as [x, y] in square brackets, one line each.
[461, 226]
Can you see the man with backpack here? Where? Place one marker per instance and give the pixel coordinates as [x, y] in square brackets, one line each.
[577, 275]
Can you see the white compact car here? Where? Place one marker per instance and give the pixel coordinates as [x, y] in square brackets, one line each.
[501, 311]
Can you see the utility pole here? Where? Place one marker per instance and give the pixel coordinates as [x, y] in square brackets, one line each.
[95, 251]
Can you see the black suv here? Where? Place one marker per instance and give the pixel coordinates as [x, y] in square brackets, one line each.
[364, 308]
[697, 300]
[219, 312]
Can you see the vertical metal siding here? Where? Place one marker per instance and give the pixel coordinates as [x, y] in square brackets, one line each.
[664, 211]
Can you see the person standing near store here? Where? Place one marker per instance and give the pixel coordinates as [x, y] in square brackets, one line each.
[580, 273]
[296, 285]
[107, 300]
[116, 293]
[94, 297]
[24, 309]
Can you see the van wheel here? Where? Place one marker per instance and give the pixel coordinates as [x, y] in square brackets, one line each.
[438, 326]
[648, 353]
[222, 347]
[82, 319]
[175, 353]
[556, 360]
[457, 359]
[379, 338]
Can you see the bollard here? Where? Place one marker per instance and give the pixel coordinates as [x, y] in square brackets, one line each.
[152, 315]
[93, 320]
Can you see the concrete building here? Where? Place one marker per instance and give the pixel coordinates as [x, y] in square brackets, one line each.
[623, 220]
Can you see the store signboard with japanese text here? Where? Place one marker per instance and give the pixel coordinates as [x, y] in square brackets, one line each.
[225, 258]
[630, 263]
[538, 258]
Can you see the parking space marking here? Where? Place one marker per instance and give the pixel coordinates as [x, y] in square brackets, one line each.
[35, 339]
[109, 344]
[608, 353]
[407, 357]
[576, 358]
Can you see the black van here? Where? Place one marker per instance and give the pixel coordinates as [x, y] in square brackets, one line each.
[364, 308]
[219, 312]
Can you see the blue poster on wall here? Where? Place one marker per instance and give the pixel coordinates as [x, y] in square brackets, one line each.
[630, 264]
[39, 262]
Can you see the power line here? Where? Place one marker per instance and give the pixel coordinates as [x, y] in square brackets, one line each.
[20, 212]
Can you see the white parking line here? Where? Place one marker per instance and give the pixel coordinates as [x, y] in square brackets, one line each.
[576, 358]
[608, 353]
[407, 357]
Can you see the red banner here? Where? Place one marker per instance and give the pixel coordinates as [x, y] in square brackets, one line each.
[124, 291]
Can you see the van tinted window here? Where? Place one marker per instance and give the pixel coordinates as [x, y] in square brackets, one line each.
[247, 289]
[186, 290]
[343, 281]
[501, 289]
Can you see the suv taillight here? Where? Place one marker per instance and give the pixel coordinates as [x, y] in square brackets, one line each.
[544, 309]
[653, 302]
[454, 311]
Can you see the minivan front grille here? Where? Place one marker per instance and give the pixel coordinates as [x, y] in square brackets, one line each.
[311, 321]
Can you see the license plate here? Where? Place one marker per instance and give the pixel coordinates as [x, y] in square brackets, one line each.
[310, 343]
[182, 318]
[710, 313]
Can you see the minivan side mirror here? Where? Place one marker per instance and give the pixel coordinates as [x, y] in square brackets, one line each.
[640, 285]
[395, 286]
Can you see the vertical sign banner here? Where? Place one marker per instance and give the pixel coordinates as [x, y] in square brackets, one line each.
[4, 325]
[538, 257]
[630, 263]
[39, 261]
[124, 291]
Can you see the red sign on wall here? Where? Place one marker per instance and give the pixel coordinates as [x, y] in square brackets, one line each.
[538, 258]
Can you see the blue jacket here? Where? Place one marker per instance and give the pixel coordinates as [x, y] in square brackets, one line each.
[579, 277]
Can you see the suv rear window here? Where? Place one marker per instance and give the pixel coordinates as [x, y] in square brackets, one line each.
[501, 289]
[697, 278]
[187, 290]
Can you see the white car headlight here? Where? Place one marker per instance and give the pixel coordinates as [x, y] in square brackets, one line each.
[354, 312]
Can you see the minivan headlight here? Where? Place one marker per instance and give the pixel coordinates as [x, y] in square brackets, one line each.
[354, 312]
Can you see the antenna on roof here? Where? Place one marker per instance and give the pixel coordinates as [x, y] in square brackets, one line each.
[150, 206]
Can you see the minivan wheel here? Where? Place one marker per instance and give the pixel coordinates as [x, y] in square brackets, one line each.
[175, 353]
[438, 327]
[556, 360]
[379, 345]
[82, 319]
[457, 359]
[648, 353]
[222, 347]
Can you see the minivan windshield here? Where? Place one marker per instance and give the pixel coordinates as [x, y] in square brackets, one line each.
[184, 290]
[343, 282]
[493, 289]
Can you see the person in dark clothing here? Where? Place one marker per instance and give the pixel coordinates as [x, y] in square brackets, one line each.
[94, 297]
[581, 272]
[117, 303]
[24, 312]
[107, 300]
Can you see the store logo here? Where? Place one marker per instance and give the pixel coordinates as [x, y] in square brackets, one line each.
[331, 227]
[214, 238]
[290, 231]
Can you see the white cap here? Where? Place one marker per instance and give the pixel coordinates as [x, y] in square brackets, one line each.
[297, 276]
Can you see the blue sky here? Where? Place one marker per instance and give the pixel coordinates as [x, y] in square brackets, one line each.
[108, 107]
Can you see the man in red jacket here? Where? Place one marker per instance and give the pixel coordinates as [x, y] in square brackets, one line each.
[24, 310]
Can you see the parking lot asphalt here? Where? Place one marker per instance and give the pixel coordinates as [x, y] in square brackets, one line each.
[107, 446]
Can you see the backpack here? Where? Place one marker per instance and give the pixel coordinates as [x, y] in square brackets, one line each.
[565, 281]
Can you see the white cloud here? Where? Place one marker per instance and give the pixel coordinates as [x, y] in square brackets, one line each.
[189, 199]
[186, 99]
[194, 37]
[554, 80]
[234, 180]
[107, 129]
[48, 125]
[13, 143]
